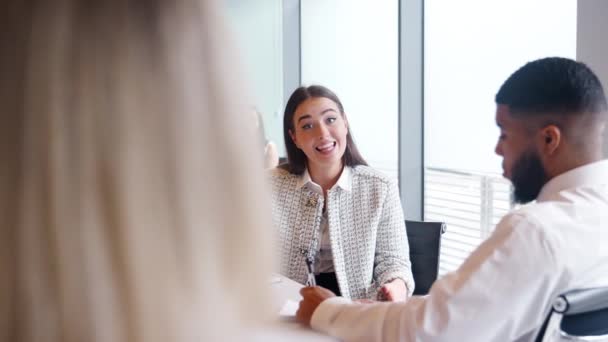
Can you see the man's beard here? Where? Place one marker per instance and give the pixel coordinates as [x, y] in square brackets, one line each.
[528, 177]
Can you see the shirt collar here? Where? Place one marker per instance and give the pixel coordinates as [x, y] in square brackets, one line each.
[590, 174]
[345, 181]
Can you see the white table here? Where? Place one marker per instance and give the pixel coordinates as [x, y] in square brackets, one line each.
[284, 289]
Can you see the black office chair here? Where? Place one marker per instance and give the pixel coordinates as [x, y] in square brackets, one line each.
[584, 315]
[424, 239]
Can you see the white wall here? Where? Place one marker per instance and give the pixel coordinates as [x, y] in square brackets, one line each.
[592, 40]
[352, 47]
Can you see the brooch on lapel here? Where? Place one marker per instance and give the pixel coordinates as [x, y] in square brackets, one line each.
[311, 202]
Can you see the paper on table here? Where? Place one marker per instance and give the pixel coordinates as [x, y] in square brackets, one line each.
[289, 308]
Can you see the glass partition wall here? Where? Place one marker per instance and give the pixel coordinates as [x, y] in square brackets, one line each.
[257, 26]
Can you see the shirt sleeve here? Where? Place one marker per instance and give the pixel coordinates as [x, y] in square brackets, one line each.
[392, 259]
[502, 292]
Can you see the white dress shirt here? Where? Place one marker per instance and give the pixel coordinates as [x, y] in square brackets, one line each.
[504, 290]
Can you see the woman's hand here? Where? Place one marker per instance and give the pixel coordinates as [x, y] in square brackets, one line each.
[394, 291]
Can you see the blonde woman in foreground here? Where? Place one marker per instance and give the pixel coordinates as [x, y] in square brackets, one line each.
[125, 211]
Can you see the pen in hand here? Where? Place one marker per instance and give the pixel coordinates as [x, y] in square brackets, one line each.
[311, 274]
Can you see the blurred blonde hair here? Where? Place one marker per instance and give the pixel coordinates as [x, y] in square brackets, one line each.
[127, 189]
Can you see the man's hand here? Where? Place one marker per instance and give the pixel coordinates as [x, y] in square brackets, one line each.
[394, 291]
[311, 298]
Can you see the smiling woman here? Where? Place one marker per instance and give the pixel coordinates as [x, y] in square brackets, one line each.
[320, 131]
[330, 207]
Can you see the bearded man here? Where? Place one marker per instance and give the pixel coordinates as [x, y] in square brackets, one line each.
[551, 113]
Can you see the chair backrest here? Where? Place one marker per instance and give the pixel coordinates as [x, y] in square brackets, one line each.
[424, 240]
[583, 313]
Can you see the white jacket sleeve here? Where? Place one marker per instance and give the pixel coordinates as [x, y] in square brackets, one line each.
[502, 292]
[392, 257]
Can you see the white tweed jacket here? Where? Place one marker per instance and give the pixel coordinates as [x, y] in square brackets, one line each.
[366, 228]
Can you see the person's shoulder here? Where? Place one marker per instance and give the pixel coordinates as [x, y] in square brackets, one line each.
[370, 174]
[279, 172]
[280, 176]
[525, 213]
[526, 228]
[271, 144]
[551, 217]
[527, 218]
[534, 211]
[271, 155]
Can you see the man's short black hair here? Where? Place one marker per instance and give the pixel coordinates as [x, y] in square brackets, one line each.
[553, 85]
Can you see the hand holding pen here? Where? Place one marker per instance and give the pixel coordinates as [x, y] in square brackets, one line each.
[312, 295]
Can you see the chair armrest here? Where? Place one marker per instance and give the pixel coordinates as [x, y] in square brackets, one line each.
[584, 300]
